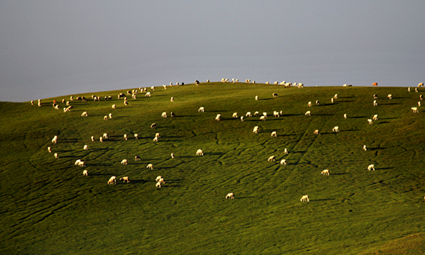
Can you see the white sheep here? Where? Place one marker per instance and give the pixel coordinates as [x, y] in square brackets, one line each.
[275, 95]
[370, 121]
[235, 115]
[155, 139]
[419, 103]
[364, 147]
[325, 172]
[84, 114]
[415, 109]
[309, 104]
[77, 162]
[256, 97]
[316, 132]
[317, 102]
[248, 114]
[201, 109]
[336, 96]
[345, 116]
[148, 94]
[390, 96]
[172, 99]
[218, 117]
[159, 178]
[158, 185]
[274, 134]
[85, 147]
[110, 115]
[125, 137]
[149, 166]
[305, 198]
[137, 158]
[199, 152]
[420, 84]
[256, 113]
[307, 113]
[153, 125]
[114, 106]
[105, 117]
[136, 136]
[172, 155]
[375, 117]
[112, 180]
[276, 114]
[125, 179]
[285, 151]
[256, 129]
[271, 158]
[49, 149]
[283, 162]
[124, 162]
[371, 167]
[85, 173]
[375, 103]
[55, 139]
[81, 164]
[230, 196]
[56, 155]
[332, 100]
[264, 118]
[92, 138]
[101, 139]
[335, 129]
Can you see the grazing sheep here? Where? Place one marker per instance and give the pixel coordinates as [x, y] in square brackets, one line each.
[49, 149]
[199, 152]
[218, 117]
[316, 132]
[155, 139]
[153, 125]
[285, 151]
[172, 115]
[300, 85]
[55, 139]
[371, 167]
[136, 136]
[125, 137]
[137, 158]
[124, 162]
[84, 114]
[85, 173]
[421, 97]
[159, 178]
[125, 103]
[370, 121]
[230, 196]
[172, 155]
[201, 109]
[271, 158]
[148, 94]
[158, 185]
[276, 114]
[375, 103]
[235, 115]
[283, 162]
[335, 129]
[125, 179]
[101, 139]
[112, 180]
[364, 147]
[419, 103]
[81, 164]
[390, 96]
[256, 129]
[114, 106]
[309, 104]
[305, 198]
[317, 102]
[375, 96]
[157, 135]
[77, 161]
[149, 166]
[336, 96]
[416, 90]
[263, 118]
[325, 172]
[256, 113]
[56, 155]
[248, 114]
[415, 109]
[110, 115]
[105, 117]
[332, 100]
[345, 116]
[256, 98]
[92, 138]
[375, 117]
[275, 95]
[420, 84]
[85, 147]
[307, 113]
[274, 134]
[172, 99]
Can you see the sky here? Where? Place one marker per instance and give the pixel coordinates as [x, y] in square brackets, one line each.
[52, 48]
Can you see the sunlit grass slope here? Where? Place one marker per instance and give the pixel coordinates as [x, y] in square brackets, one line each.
[49, 207]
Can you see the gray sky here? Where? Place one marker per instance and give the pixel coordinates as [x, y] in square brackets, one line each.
[54, 48]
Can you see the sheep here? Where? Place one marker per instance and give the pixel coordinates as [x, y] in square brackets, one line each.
[201, 109]
[153, 125]
[77, 162]
[305, 198]
[345, 116]
[124, 162]
[32, 102]
[158, 185]
[84, 114]
[248, 114]
[172, 155]
[335, 129]
[137, 158]
[256, 129]
[149, 166]
[114, 106]
[230, 196]
[164, 115]
[415, 109]
[419, 103]
[56, 155]
[325, 172]
[283, 162]
[85, 147]
[275, 95]
[105, 117]
[199, 152]
[125, 103]
[364, 147]
[309, 104]
[371, 167]
[375, 96]
[55, 139]
[92, 138]
[256, 98]
[136, 136]
[416, 90]
[375, 117]
[81, 164]
[105, 135]
[263, 117]
[39, 103]
[317, 102]
[307, 113]
[370, 121]
[276, 114]
[125, 137]
[49, 149]
[316, 132]
[242, 118]
[235, 115]
[420, 84]
[85, 173]
[153, 88]
[172, 99]
[218, 117]
[390, 96]
[375, 103]
[112, 180]
[300, 85]
[375, 84]
[274, 134]
[421, 97]
[155, 139]
[125, 179]
[148, 94]
[256, 113]
[408, 89]
[271, 158]
[335, 96]
[158, 178]
[110, 115]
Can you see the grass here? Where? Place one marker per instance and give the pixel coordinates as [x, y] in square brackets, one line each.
[49, 207]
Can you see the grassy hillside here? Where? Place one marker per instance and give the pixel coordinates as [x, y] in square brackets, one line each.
[49, 207]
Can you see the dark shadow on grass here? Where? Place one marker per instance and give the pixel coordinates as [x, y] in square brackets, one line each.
[215, 153]
[338, 173]
[101, 174]
[98, 164]
[383, 168]
[321, 199]
[323, 114]
[377, 148]
[357, 117]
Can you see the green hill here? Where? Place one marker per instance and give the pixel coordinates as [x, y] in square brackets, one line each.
[49, 207]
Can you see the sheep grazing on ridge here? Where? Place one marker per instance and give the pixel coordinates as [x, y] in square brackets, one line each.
[172, 115]
[305, 198]
[335, 129]
[256, 113]
[307, 113]
[85, 147]
[375, 96]
[283, 162]
[172, 99]
[84, 114]
[125, 179]
[49, 149]
[149, 166]
[32, 102]
[317, 102]
[335, 96]
[248, 114]
[419, 103]
[235, 115]
[256, 129]
[416, 90]
[421, 97]
[230, 196]
[273, 134]
[276, 114]
[201, 109]
[112, 180]
[125, 103]
[56, 155]
[55, 139]
[364, 147]
[85, 173]
[271, 158]
[241, 118]
[371, 167]
[92, 138]
[124, 162]
[199, 152]
[157, 135]
[218, 117]
[264, 118]
[408, 89]
[420, 84]
[148, 94]
[285, 151]
[415, 109]
[158, 185]
[325, 172]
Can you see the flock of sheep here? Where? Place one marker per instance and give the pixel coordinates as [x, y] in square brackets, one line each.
[160, 180]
